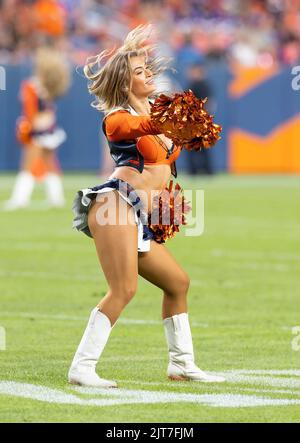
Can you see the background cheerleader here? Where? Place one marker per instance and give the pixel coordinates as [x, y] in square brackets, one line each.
[37, 130]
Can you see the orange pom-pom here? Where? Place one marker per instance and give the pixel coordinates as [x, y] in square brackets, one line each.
[168, 213]
[184, 119]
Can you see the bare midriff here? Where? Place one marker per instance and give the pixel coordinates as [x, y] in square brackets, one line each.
[147, 184]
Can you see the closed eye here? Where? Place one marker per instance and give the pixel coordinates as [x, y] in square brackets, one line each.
[140, 69]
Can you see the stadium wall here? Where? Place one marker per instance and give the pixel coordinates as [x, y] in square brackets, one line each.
[258, 109]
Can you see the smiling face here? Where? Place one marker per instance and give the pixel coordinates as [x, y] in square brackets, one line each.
[142, 78]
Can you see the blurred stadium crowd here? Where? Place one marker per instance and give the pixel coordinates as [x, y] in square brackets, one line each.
[247, 32]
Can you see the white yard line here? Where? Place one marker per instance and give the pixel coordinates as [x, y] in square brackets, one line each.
[122, 320]
[110, 397]
[50, 275]
[279, 382]
[256, 266]
[285, 372]
[74, 276]
[43, 246]
[137, 357]
[238, 254]
[255, 254]
[290, 378]
[278, 267]
[253, 266]
[73, 318]
[215, 387]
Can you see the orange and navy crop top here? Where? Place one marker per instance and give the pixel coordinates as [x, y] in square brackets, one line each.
[133, 141]
[32, 101]
[32, 104]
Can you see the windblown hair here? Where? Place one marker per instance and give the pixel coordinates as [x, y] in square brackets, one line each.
[111, 81]
[52, 71]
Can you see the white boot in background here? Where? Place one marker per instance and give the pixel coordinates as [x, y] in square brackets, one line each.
[83, 368]
[181, 354]
[22, 191]
[54, 190]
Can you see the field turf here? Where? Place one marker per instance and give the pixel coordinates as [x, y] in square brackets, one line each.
[244, 302]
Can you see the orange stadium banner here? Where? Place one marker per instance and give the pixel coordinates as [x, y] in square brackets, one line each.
[277, 151]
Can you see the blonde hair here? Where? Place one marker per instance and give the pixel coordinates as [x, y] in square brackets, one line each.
[111, 82]
[53, 71]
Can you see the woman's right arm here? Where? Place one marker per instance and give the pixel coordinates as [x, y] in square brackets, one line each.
[121, 125]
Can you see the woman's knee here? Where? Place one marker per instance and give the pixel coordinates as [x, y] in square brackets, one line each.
[180, 285]
[184, 282]
[124, 293]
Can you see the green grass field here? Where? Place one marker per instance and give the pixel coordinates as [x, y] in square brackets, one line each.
[244, 301]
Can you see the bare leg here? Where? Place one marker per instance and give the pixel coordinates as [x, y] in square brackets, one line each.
[49, 157]
[159, 267]
[53, 180]
[116, 247]
[30, 154]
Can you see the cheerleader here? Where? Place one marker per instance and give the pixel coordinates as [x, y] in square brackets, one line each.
[127, 247]
[37, 130]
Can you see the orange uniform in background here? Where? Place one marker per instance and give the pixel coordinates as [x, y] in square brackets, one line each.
[38, 132]
[31, 106]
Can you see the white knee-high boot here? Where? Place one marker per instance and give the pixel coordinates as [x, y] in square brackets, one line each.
[181, 354]
[22, 191]
[83, 368]
[54, 190]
